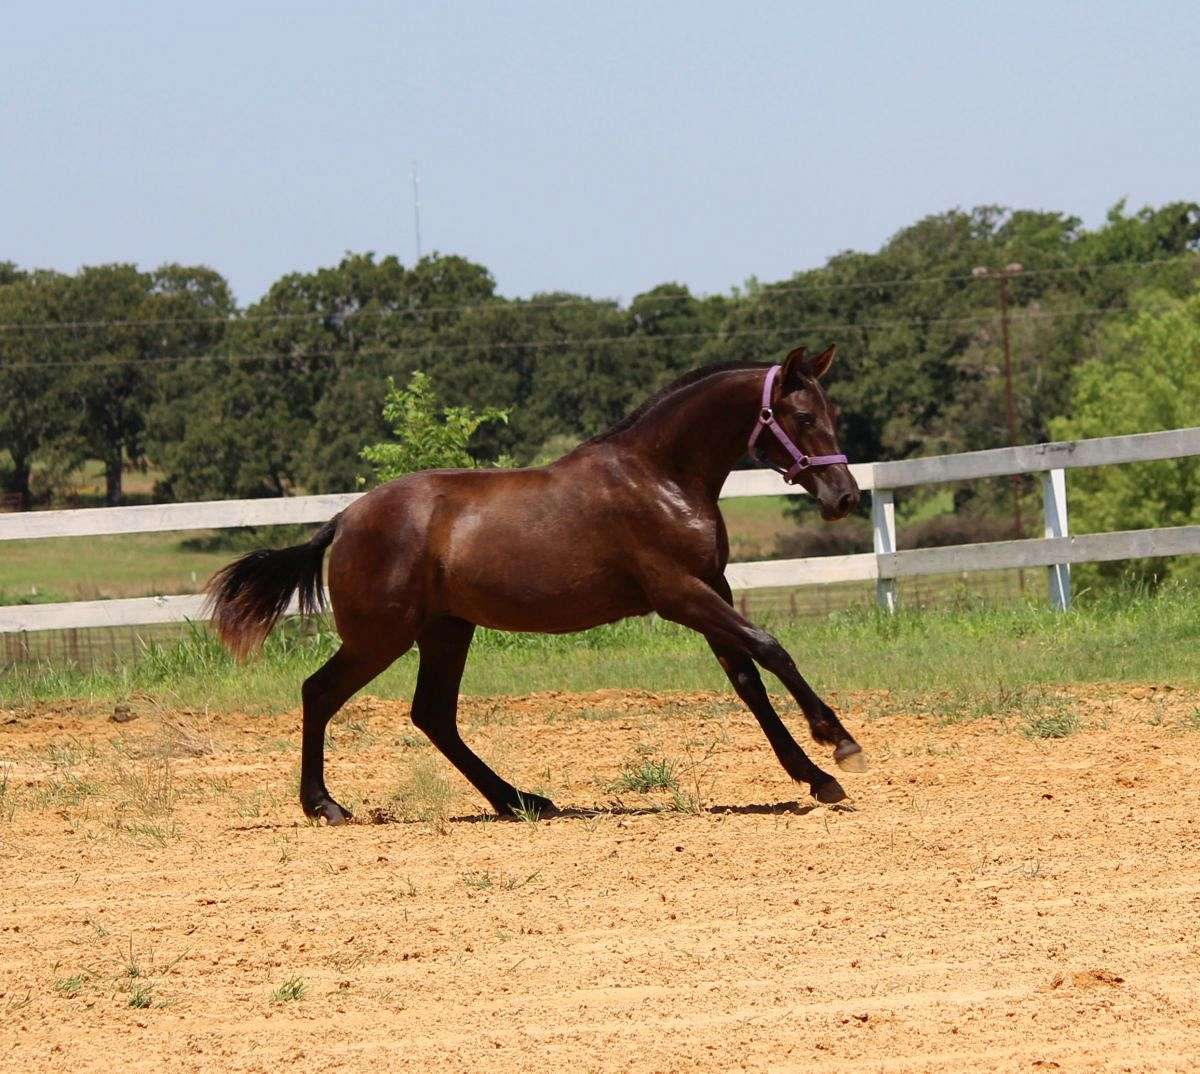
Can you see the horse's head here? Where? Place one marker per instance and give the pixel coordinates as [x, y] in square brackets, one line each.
[809, 418]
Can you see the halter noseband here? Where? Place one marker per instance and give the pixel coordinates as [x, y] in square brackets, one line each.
[766, 420]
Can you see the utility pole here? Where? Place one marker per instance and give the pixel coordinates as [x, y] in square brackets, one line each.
[417, 207]
[1002, 276]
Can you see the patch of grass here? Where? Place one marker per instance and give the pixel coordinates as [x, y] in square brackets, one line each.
[130, 565]
[291, 991]
[1057, 722]
[526, 810]
[8, 798]
[483, 881]
[512, 883]
[147, 792]
[133, 968]
[425, 794]
[136, 976]
[158, 835]
[1115, 635]
[686, 802]
[70, 752]
[71, 986]
[646, 775]
[148, 788]
[63, 791]
[179, 736]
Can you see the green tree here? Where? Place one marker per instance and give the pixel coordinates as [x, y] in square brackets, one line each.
[134, 325]
[426, 437]
[296, 394]
[1146, 378]
[35, 414]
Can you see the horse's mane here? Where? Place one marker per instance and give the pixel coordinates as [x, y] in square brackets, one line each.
[689, 378]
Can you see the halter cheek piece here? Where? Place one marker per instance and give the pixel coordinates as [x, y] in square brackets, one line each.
[766, 420]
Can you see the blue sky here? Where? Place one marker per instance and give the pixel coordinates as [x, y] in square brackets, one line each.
[600, 148]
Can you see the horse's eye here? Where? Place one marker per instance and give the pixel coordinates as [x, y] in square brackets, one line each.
[804, 418]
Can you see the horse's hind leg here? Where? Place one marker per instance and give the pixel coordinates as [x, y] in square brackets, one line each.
[444, 644]
[324, 692]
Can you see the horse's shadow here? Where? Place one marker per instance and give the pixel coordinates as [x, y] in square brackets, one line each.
[760, 809]
[382, 815]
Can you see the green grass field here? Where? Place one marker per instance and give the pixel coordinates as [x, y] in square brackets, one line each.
[95, 568]
[969, 653]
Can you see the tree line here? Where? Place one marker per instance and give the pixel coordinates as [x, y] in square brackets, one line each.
[161, 369]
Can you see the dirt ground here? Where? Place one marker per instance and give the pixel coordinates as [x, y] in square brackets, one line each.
[993, 901]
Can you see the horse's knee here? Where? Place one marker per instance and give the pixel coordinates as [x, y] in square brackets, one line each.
[772, 655]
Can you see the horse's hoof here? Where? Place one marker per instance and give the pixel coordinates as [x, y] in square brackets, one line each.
[329, 811]
[850, 757]
[829, 793]
[529, 807]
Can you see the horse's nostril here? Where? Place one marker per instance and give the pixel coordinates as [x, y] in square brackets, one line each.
[847, 502]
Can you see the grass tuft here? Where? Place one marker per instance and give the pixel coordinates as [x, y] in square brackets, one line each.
[71, 986]
[526, 810]
[144, 802]
[292, 990]
[1058, 722]
[425, 794]
[8, 798]
[647, 775]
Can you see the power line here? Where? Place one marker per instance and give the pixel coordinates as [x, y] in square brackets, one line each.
[432, 347]
[518, 305]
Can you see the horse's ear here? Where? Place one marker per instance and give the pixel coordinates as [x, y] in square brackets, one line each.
[817, 367]
[794, 365]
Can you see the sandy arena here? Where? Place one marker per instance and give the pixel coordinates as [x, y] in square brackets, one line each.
[992, 903]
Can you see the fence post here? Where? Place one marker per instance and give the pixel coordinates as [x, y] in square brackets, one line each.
[1054, 504]
[883, 522]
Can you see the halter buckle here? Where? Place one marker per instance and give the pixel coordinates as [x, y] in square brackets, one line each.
[766, 415]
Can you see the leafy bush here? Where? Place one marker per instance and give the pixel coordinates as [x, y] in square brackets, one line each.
[943, 530]
[1147, 378]
[854, 535]
[426, 438]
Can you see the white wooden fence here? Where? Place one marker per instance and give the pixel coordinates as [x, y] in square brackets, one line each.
[1056, 550]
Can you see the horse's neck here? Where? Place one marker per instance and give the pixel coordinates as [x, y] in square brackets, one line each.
[698, 434]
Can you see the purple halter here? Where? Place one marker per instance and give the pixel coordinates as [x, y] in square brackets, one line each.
[766, 420]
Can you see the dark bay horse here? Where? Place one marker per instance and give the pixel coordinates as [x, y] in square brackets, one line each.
[625, 524]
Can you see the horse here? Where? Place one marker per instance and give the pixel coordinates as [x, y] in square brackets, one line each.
[624, 525]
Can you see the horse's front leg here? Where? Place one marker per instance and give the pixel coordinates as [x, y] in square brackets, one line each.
[749, 687]
[823, 722]
[709, 610]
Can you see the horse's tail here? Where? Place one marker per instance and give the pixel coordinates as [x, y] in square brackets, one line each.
[247, 598]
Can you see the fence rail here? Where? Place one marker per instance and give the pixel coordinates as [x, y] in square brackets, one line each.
[1056, 551]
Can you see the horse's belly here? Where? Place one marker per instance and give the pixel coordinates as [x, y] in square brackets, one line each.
[526, 595]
